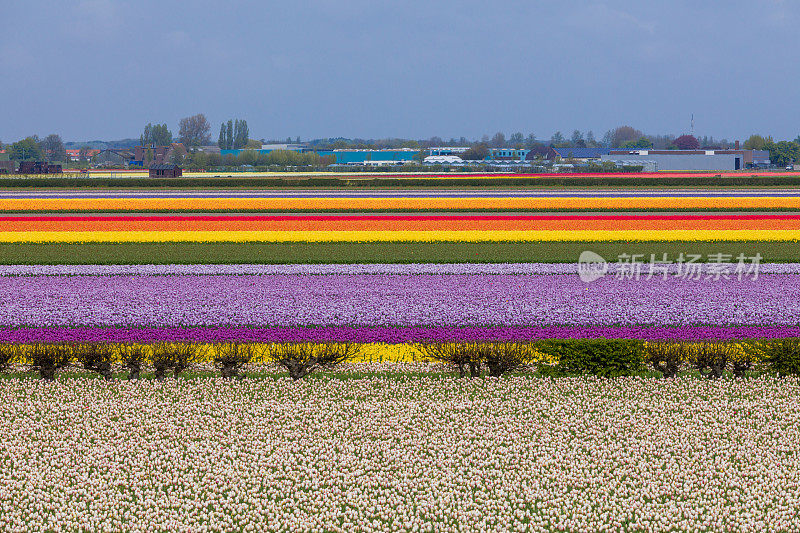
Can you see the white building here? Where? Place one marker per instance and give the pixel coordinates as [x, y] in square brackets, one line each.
[443, 160]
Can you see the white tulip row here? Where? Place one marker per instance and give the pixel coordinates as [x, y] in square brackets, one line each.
[400, 452]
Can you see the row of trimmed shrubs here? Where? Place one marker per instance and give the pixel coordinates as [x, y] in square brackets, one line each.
[164, 359]
[600, 357]
[613, 358]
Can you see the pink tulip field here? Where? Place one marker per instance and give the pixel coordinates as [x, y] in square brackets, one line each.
[408, 452]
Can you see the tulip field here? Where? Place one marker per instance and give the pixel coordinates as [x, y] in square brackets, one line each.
[412, 453]
[400, 359]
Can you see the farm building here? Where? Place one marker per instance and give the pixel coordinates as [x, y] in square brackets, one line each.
[143, 155]
[38, 167]
[113, 157]
[76, 155]
[165, 170]
[7, 167]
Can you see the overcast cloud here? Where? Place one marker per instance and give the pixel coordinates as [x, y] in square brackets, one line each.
[102, 69]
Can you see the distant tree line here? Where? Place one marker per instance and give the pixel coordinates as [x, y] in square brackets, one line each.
[194, 133]
[32, 148]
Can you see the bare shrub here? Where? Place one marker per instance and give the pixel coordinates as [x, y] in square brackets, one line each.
[711, 358]
[178, 357]
[741, 362]
[132, 357]
[47, 359]
[96, 357]
[667, 357]
[498, 357]
[302, 358]
[502, 357]
[463, 356]
[230, 357]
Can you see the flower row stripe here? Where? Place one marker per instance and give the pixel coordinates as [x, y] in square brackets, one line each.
[366, 204]
[640, 235]
[388, 335]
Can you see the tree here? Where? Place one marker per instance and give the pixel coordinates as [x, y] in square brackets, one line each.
[499, 140]
[516, 140]
[177, 156]
[557, 139]
[53, 148]
[783, 153]
[476, 153]
[229, 138]
[642, 143]
[590, 140]
[25, 150]
[223, 137]
[623, 134]
[686, 142]
[755, 142]
[195, 130]
[157, 134]
[577, 139]
[241, 134]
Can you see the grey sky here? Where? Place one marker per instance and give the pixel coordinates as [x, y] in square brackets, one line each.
[101, 69]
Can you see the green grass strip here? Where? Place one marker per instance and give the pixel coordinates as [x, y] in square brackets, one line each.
[377, 252]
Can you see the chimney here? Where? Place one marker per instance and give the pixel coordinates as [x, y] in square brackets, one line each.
[737, 145]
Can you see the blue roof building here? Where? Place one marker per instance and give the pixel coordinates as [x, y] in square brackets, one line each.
[576, 152]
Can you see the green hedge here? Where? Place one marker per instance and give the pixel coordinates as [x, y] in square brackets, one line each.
[783, 356]
[600, 357]
[549, 181]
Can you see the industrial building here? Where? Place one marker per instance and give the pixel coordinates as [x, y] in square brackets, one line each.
[655, 160]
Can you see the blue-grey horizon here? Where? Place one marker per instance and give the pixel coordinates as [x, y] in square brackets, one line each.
[102, 69]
